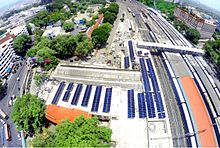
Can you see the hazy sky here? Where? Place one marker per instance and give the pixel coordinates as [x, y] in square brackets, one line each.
[4, 3]
[211, 3]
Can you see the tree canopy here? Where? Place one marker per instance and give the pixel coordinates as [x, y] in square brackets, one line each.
[62, 47]
[55, 11]
[110, 13]
[28, 113]
[38, 79]
[37, 35]
[68, 26]
[101, 34]
[85, 47]
[193, 35]
[212, 48]
[22, 43]
[109, 17]
[80, 133]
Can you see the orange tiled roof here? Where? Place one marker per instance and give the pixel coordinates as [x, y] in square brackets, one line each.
[56, 113]
[7, 37]
[96, 25]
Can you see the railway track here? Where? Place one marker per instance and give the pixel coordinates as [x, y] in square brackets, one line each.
[171, 103]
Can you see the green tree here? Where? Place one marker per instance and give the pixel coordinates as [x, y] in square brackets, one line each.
[37, 35]
[22, 43]
[29, 29]
[28, 113]
[193, 35]
[68, 26]
[109, 17]
[101, 34]
[47, 55]
[38, 79]
[80, 133]
[113, 8]
[84, 48]
[41, 19]
[64, 45]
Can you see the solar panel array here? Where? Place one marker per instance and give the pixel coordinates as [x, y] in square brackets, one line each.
[131, 50]
[67, 93]
[66, 96]
[86, 97]
[131, 108]
[157, 96]
[126, 62]
[141, 106]
[107, 101]
[95, 104]
[146, 82]
[58, 93]
[77, 94]
[150, 105]
[70, 87]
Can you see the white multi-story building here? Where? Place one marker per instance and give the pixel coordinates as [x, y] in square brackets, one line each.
[7, 54]
[205, 27]
[22, 29]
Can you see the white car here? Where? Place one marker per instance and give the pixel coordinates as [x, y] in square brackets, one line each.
[18, 78]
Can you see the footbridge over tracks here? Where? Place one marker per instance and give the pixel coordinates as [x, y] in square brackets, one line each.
[170, 48]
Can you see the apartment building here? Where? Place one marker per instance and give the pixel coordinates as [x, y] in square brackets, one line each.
[205, 27]
[7, 54]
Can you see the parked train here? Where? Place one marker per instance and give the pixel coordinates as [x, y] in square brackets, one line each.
[188, 124]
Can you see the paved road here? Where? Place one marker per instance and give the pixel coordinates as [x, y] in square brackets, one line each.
[12, 89]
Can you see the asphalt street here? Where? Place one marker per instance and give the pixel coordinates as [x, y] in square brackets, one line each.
[12, 89]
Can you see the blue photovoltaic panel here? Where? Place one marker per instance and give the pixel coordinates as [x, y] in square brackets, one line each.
[70, 87]
[146, 82]
[158, 97]
[86, 97]
[153, 75]
[107, 101]
[77, 94]
[95, 104]
[141, 106]
[131, 50]
[150, 105]
[161, 115]
[66, 96]
[159, 102]
[126, 62]
[58, 93]
[131, 107]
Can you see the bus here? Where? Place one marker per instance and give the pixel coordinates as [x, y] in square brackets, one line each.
[7, 132]
[3, 114]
